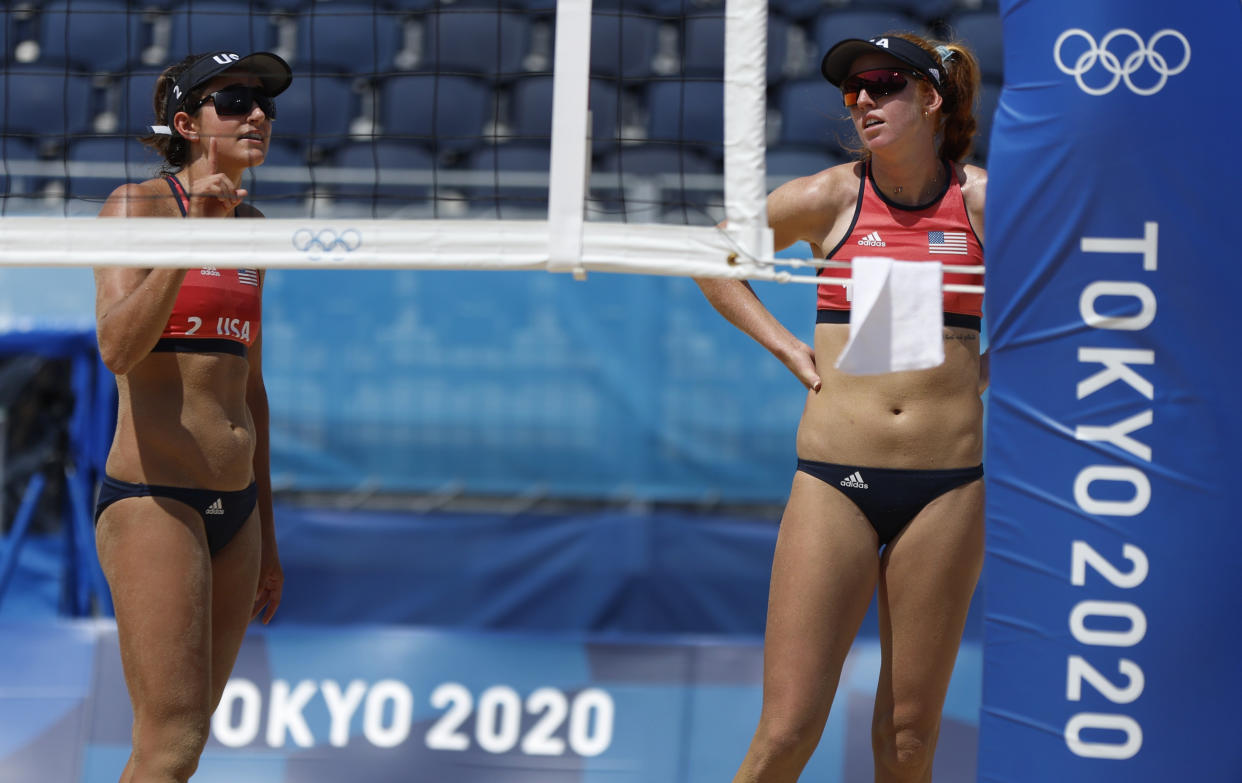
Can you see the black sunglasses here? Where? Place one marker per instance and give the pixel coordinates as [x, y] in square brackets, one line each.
[878, 82]
[236, 100]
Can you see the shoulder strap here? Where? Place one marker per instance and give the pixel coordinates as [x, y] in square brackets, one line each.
[183, 201]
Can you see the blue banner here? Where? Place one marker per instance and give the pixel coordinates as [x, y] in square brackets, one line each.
[1112, 597]
[392, 705]
[619, 387]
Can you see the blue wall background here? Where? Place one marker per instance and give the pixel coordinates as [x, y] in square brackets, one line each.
[621, 387]
[618, 387]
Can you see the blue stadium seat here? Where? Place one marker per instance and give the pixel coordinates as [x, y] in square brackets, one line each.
[426, 5]
[133, 101]
[316, 111]
[8, 33]
[139, 163]
[283, 179]
[833, 26]
[16, 150]
[509, 200]
[652, 158]
[687, 111]
[538, 7]
[346, 38]
[791, 162]
[308, 6]
[799, 10]
[925, 10]
[686, 8]
[779, 63]
[634, 164]
[47, 105]
[389, 167]
[623, 46]
[530, 110]
[479, 41]
[812, 115]
[534, 7]
[447, 112]
[207, 27]
[512, 156]
[989, 99]
[703, 46]
[983, 33]
[91, 35]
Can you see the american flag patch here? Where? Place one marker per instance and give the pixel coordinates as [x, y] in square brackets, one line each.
[951, 242]
[248, 276]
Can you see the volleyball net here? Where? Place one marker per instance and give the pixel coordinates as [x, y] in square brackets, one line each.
[414, 135]
[564, 136]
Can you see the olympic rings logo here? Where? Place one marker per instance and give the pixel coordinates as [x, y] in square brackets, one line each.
[1121, 70]
[325, 241]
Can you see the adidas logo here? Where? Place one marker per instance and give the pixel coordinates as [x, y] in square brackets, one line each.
[873, 240]
[216, 507]
[210, 271]
[855, 480]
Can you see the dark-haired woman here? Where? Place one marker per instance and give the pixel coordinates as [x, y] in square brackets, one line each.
[184, 524]
[888, 494]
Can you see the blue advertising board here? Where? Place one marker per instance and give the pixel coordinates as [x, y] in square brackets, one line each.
[1111, 596]
[399, 705]
[621, 387]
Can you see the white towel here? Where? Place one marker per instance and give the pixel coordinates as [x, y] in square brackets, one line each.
[896, 317]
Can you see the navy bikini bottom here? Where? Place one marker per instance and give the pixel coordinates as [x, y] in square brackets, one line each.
[223, 513]
[889, 498]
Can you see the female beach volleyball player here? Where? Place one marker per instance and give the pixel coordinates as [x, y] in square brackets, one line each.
[888, 493]
[184, 521]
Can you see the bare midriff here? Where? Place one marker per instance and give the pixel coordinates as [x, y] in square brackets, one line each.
[182, 420]
[918, 420]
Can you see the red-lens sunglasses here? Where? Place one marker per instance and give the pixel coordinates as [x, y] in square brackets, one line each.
[878, 82]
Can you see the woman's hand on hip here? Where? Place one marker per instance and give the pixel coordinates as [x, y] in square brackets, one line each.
[800, 359]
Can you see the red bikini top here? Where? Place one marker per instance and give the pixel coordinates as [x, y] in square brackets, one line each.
[217, 310]
[937, 231]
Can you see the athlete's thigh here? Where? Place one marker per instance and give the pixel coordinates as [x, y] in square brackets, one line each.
[154, 553]
[235, 582]
[823, 576]
[928, 575]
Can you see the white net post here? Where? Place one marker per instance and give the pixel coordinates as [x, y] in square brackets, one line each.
[745, 112]
[568, 170]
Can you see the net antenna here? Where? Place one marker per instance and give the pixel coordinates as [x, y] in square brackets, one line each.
[565, 242]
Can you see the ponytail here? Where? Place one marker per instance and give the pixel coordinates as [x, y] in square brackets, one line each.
[173, 148]
[956, 125]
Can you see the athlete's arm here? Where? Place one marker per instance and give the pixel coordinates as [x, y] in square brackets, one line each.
[974, 192]
[271, 576]
[132, 306]
[801, 209]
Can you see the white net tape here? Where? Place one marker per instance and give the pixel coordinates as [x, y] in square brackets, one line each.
[565, 242]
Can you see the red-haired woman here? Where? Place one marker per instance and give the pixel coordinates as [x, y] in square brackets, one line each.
[888, 494]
